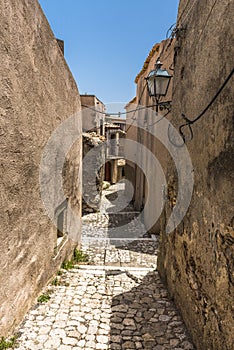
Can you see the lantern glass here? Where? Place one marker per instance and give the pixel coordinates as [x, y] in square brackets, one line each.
[158, 82]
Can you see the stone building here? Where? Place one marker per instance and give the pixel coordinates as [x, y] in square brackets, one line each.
[94, 157]
[38, 93]
[94, 151]
[137, 123]
[115, 157]
[121, 122]
[93, 114]
[130, 152]
[196, 258]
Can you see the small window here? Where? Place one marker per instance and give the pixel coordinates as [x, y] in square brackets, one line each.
[62, 224]
[61, 221]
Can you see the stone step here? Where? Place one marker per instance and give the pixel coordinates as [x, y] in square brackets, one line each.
[114, 268]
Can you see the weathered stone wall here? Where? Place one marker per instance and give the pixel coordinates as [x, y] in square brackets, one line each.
[130, 166]
[37, 94]
[93, 114]
[94, 154]
[137, 131]
[196, 260]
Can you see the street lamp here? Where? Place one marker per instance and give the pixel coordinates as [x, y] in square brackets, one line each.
[158, 82]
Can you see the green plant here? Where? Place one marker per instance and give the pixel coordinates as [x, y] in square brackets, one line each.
[7, 344]
[66, 265]
[79, 256]
[55, 282]
[43, 298]
[59, 273]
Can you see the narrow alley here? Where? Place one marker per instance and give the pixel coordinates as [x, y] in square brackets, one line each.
[116, 158]
[116, 301]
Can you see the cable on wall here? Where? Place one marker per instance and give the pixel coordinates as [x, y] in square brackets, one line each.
[189, 122]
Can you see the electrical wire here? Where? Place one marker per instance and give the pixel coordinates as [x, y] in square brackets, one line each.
[120, 113]
[134, 111]
[184, 10]
[168, 54]
[161, 54]
[198, 37]
[182, 19]
[174, 28]
[133, 117]
[164, 116]
[191, 122]
[96, 110]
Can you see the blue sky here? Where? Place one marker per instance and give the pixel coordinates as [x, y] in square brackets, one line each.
[107, 41]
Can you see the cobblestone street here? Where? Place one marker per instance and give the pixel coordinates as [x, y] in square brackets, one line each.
[117, 301]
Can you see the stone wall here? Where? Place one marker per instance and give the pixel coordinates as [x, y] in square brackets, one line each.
[196, 260]
[130, 166]
[38, 93]
[93, 114]
[137, 131]
[94, 154]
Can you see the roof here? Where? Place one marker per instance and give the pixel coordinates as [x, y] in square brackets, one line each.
[147, 61]
[87, 95]
[111, 125]
[133, 100]
[92, 138]
[116, 120]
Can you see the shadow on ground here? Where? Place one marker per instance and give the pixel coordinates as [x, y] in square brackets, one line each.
[145, 318]
[141, 246]
[119, 201]
[128, 225]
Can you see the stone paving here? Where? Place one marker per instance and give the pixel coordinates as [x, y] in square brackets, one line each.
[116, 302]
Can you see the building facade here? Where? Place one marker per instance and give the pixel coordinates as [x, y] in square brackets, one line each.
[115, 149]
[196, 258]
[94, 158]
[38, 93]
[93, 124]
[138, 122]
[93, 114]
[120, 122]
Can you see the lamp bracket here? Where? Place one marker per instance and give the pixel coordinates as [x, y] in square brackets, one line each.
[164, 105]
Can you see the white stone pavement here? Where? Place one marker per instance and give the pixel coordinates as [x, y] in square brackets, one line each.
[116, 302]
